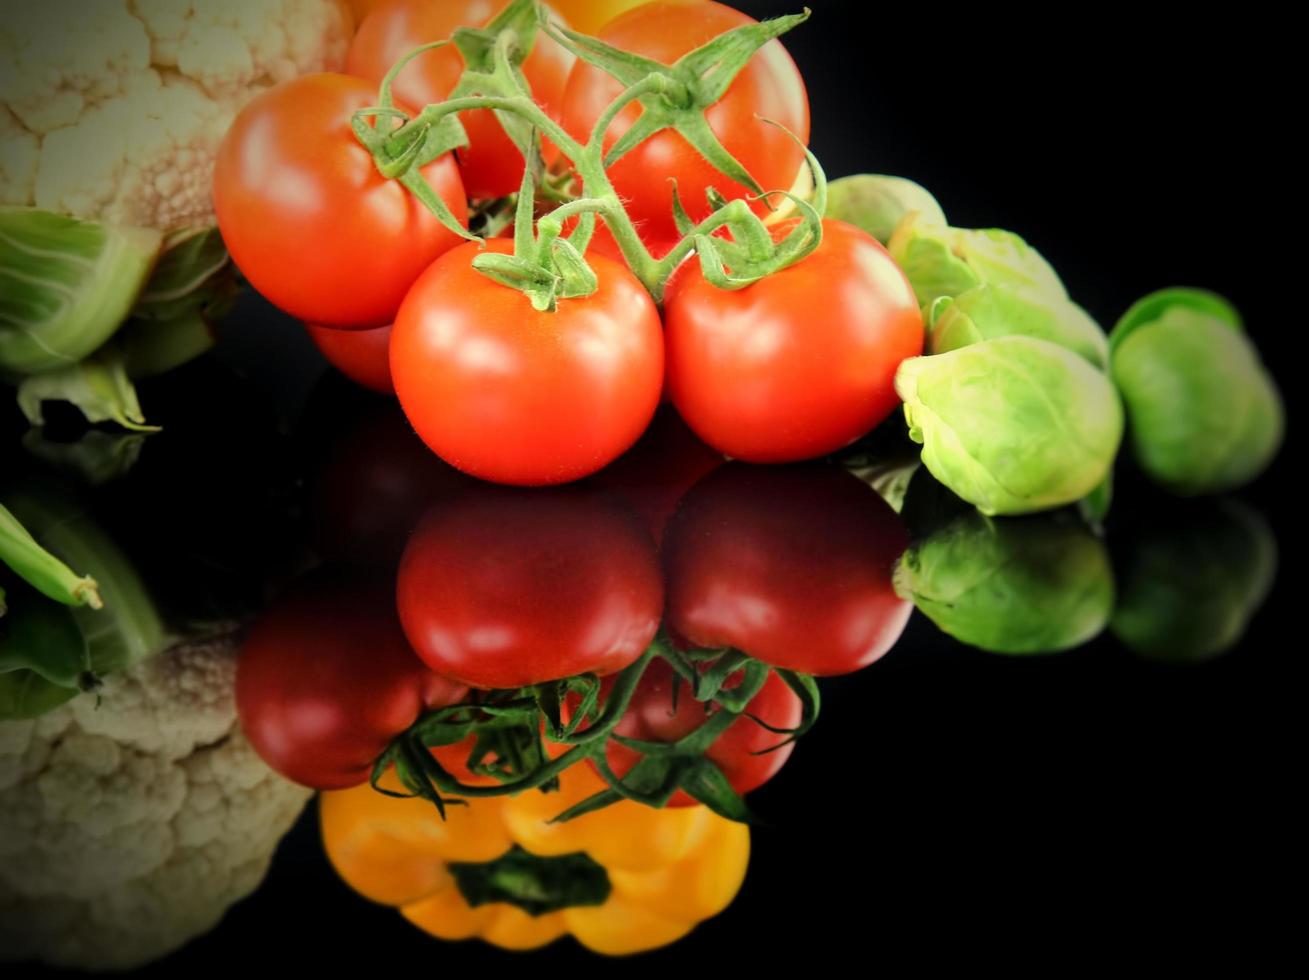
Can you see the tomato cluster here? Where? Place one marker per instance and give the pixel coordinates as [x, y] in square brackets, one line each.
[513, 613]
[519, 374]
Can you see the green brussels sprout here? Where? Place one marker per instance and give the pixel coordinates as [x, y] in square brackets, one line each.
[941, 261]
[1192, 579]
[990, 310]
[1012, 425]
[1204, 414]
[1035, 585]
[876, 203]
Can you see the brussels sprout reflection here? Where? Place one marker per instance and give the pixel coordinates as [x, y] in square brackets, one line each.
[877, 203]
[1192, 579]
[1205, 415]
[1035, 585]
[1012, 425]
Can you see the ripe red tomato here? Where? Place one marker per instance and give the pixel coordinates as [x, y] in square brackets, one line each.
[740, 752]
[791, 565]
[511, 394]
[796, 365]
[502, 588]
[325, 680]
[491, 165]
[769, 86]
[363, 356]
[307, 217]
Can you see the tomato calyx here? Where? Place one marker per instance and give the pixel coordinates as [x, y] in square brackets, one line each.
[544, 266]
[676, 96]
[403, 151]
[508, 732]
[727, 681]
[751, 253]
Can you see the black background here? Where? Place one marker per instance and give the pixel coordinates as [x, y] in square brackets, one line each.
[953, 804]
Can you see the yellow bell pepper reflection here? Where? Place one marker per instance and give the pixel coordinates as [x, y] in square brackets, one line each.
[624, 879]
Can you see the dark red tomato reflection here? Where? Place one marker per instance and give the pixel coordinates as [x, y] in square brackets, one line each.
[363, 356]
[326, 679]
[654, 474]
[740, 752]
[374, 483]
[502, 588]
[790, 564]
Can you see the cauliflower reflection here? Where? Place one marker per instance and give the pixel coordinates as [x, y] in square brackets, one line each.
[129, 828]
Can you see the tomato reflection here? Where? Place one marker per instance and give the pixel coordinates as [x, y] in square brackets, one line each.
[503, 588]
[789, 564]
[655, 473]
[326, 680]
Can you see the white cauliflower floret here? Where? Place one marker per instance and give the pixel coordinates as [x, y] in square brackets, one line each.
[114, 110]
[19, 153]
[130, 827]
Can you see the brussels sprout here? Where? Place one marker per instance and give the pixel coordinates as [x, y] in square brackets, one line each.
[942, 261]
[1192, 579]
[1204, 414]
[1012, 425]
[989, 311]
[876, 203]
[1035, 585]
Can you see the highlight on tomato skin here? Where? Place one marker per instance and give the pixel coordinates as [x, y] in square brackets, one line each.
[797, 365]
[308, 218]
[363, 356]
[770, 86]
[325, 680]
[503, 588]
[491, 165]
[521, 396]
[789, 564]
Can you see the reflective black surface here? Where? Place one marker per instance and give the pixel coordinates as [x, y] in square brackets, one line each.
[950, 802]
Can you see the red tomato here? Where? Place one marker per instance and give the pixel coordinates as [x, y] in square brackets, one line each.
[363, 356]
[491, 164]
[791, 565]
[307, 217]
[325, 680]
[510, 394]
[666, 462]
[796, 365]
[740, 752]
[504, 588]
[769, 86]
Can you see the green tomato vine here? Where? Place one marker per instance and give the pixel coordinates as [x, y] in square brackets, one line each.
[548, 265]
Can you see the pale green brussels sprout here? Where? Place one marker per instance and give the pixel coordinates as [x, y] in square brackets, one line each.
[877, 203]
[988, 311]
[1012, 425]
[1204, 414]
[1031, 585]
[943, 261]
[1192, 578]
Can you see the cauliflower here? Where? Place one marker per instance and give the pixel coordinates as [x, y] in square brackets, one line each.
[129, 827]
[113, 111]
